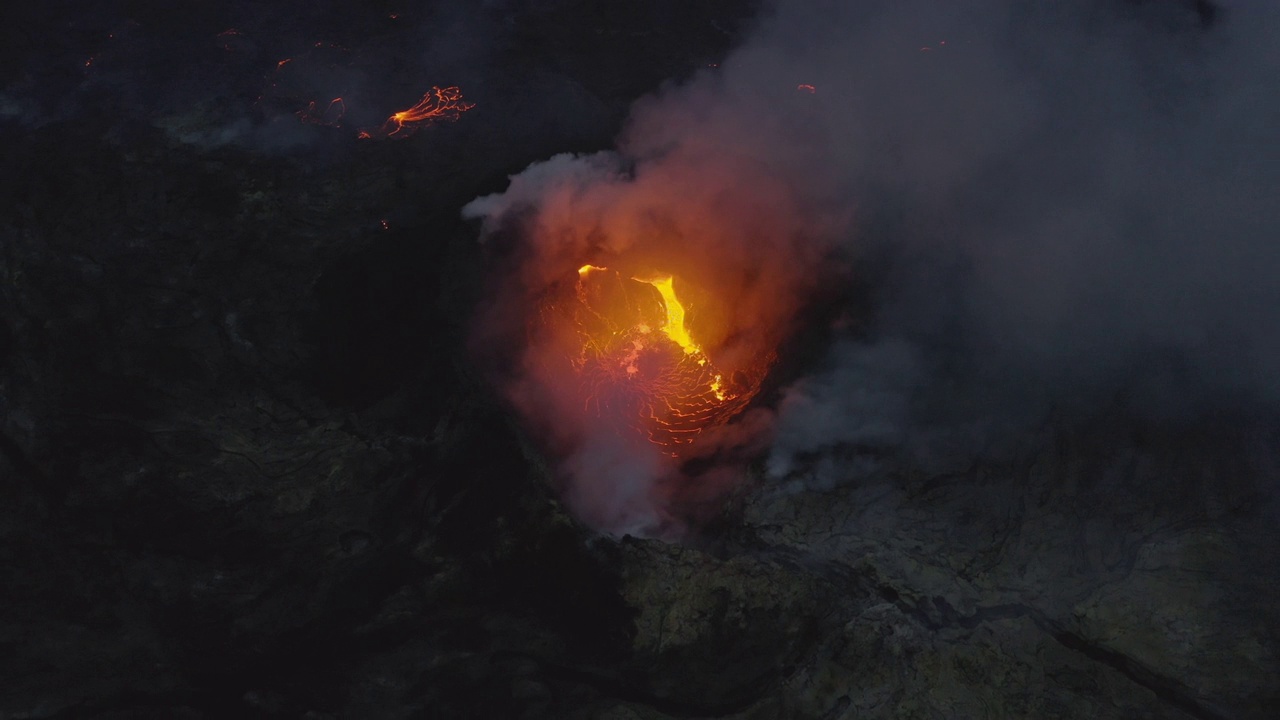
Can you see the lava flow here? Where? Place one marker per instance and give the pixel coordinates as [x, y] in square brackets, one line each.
[639, 363]
[438, 105]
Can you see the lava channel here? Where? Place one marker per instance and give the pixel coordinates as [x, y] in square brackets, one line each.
[639, 364]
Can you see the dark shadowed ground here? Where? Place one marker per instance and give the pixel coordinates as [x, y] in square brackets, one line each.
[248, 469]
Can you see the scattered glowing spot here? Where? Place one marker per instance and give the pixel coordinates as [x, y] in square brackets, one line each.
[805, 87]
[331, 115]
[226, 37]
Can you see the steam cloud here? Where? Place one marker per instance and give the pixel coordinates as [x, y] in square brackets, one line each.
[1049, 203]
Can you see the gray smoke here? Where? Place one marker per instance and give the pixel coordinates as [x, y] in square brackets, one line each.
[1076, 200]
[1053, 203]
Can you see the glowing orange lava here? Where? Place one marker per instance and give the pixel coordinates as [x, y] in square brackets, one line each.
[640, 364]
[438, 105]
[290, 87]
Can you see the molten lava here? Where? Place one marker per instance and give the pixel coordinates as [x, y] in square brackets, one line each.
[438, 105]
[674, 326]
[294, 81]
[639, 363]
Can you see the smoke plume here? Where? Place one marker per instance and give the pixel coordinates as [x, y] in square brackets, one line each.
[1048, 205]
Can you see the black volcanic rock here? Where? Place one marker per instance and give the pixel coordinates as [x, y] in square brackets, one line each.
[247, 468]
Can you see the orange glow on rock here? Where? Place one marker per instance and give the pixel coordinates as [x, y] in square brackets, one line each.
[637, 360]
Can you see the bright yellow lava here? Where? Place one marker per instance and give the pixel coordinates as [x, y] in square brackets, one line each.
[675, 393]
[674, 328]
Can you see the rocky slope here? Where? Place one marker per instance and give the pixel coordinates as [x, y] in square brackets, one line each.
[247, 470]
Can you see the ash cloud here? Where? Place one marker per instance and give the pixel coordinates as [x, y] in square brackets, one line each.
[1050, 205]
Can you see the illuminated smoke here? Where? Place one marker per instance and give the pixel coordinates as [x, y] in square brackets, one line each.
[1041, 205]
[708, 309]
[638, 363]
